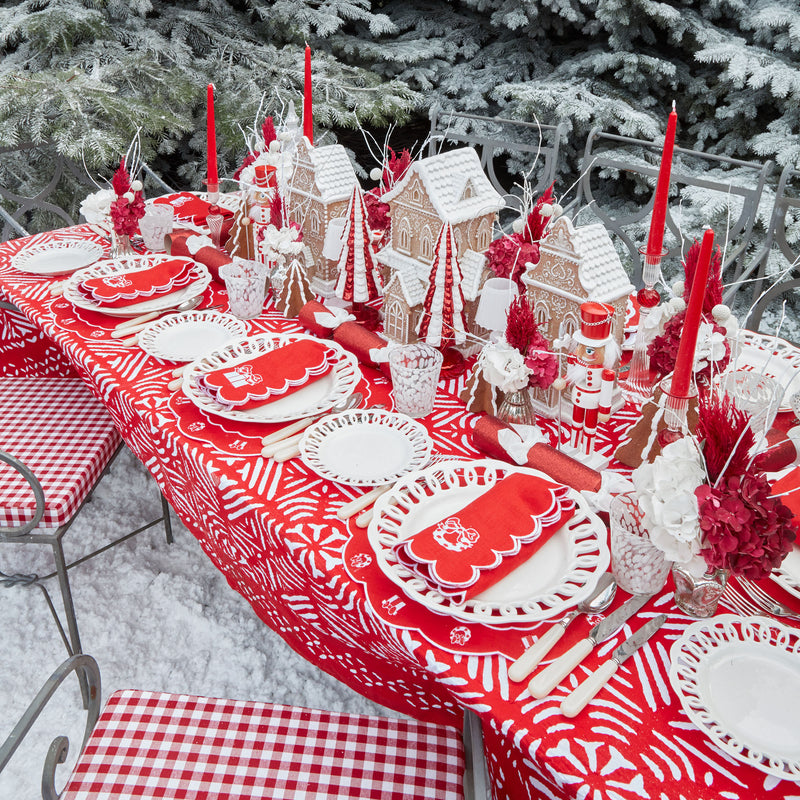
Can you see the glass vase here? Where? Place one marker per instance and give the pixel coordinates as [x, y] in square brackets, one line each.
[698, 596]
[516, 408]
[120, 245]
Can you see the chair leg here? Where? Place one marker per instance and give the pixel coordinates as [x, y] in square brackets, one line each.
[165, 509]
[69, 613]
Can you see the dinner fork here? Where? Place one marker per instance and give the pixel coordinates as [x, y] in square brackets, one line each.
[739, 603]
[765, 602]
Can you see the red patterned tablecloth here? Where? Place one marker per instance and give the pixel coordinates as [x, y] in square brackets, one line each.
[272, 530]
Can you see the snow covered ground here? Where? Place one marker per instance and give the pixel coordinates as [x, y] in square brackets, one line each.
[154, 616]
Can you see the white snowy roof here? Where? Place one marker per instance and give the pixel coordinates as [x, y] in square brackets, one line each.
[472, 265]
[456, 185]
[601, 272]
[333, 172]
[411, 287]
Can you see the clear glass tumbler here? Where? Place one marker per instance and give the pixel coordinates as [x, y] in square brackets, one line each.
[415, 372]
[637, 564]
[246, 282]
[157, 222]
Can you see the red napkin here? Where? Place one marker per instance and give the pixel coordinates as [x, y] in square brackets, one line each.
[469, 551]
[190, 206]
[125, 288]
[271, 375]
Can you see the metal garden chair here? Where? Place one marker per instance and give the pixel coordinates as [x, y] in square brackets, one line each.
[56, 441]
[149, 745]
[786, 208]
[609, 159]
[54, 204]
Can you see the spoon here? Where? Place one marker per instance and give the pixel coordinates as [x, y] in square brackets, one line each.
[291, 435]
[599, 600]
[125, 328]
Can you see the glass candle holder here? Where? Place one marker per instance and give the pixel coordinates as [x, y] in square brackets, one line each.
[415, 372]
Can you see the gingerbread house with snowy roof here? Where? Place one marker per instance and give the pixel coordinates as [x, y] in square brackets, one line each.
[449, 187]
[318, 194]
[576, 264]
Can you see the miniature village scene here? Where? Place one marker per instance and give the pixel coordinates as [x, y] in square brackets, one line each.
[540, 323]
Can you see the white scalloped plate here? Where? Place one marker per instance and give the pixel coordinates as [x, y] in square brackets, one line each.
[738, 679]
[776, 358]
[366, 447]
[787, 575]
[315, 398]
[134, 264]
[187, 336]
[557, 577]
[57, 258]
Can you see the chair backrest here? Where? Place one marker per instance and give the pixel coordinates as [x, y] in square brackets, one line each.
[785, 211]
[531, 149]
[735, 186]
[30, 206]
[38, 493]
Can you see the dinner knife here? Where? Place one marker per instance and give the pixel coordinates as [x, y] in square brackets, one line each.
[544, 682]
[583, 693]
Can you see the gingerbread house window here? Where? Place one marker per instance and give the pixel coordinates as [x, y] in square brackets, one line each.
[396, 320]
[404, 237]
[541, 315]
[484, 236]
[426, 245]
[416, 194]
[469, 190]
[457, 237]
[570, 324]
[314, 222]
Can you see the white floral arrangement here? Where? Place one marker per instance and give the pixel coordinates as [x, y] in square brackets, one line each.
[278, 243]
[665, 490]
[504, 367]
[96, 207]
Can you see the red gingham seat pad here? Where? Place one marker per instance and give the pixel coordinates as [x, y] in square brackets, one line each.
[63, 435]
[159, 745]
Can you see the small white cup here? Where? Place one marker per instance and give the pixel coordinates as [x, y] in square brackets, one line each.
[157, 222]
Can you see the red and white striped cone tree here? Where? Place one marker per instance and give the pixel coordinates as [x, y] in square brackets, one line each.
[359, 278]
[443, 322]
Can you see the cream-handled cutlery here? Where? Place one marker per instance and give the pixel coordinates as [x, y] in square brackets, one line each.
[599, 600]
[126, 327]
[280, 438]
[545, 681]
[360, 503]
[583, 693]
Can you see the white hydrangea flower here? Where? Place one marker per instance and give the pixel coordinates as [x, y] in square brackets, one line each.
[96, 208]
[504, 367]
[665, 491]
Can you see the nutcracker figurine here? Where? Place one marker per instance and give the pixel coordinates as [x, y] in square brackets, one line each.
[265, 184]
[590, 372]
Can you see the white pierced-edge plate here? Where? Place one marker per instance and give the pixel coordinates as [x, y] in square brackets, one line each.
[134, 264]
[368, 447]
[738, 679]
[57, 258]
[187, 336]
[557, 577]
[776, 358]
[787, 575]
[315, 398]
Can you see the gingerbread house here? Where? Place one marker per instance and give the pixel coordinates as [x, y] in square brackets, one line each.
[449, 187]
[319, 193]
[576, 264]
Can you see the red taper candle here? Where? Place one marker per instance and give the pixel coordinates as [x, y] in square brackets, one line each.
[308, 114]
[655, 239]
[211, 139]
[682, 376]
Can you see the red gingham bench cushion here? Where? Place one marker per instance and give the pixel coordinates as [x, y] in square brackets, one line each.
[63, 435]
[160, 745]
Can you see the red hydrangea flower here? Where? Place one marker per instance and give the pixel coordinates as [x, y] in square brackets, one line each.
[743, 528]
